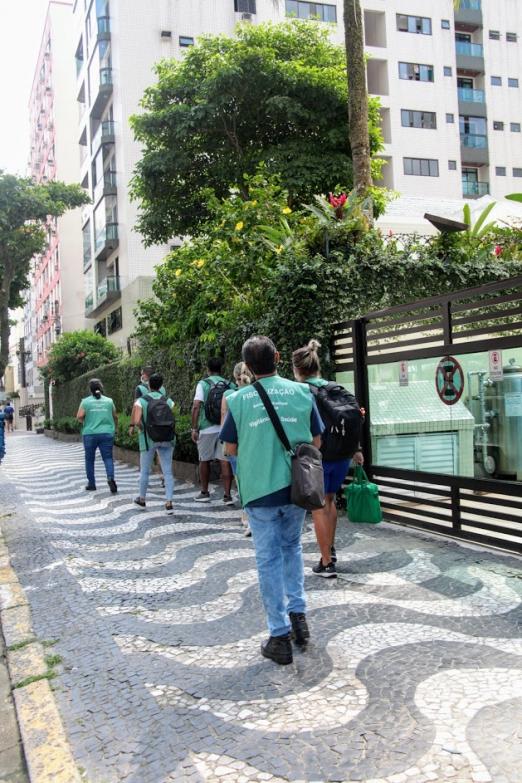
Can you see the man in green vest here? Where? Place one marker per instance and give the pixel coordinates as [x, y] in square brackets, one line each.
[264, 480]
[205, 431]
[143, 386]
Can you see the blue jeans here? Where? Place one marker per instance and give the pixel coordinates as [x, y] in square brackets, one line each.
[276, 532]
[165, 452]
[104, 442]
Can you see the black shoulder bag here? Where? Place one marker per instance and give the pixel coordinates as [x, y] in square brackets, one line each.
[307, 464]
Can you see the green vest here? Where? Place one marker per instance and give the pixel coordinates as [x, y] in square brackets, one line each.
[317, 382]
[203, 422]
[263, 466]
[98, 416]
[144, 405]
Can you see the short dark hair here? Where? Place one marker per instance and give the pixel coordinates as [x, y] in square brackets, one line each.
[156, 381]
[259, 354]
[215, 364]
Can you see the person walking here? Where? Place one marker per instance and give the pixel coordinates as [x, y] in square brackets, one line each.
[9, 413]
[97, 414]
[143, 386]
[264, 479]
[307, 369]
[242, 377]
[206, 424]
[152, 415]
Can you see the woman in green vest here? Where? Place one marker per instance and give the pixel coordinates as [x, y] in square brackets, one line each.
[98, 416]
[307, 369]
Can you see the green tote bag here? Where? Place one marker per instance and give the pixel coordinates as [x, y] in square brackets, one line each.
[362, 499]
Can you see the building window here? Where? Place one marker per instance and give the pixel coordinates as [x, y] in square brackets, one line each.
[418, 119]
[450, 118]
[500, 171]
[517, 172]
[421, 167]
[445, 24]
[512, 82]
[245, 6]
[447, 70]
[514, 127]
[186, 40]
[416, 72]
[494, 35]
[319, 11]
[413, 24]
[101, 327]
[452, 165]
[496, 81]
[511, 37]
[114, 321]
[498, 125]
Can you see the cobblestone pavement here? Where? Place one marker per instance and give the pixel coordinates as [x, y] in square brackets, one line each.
[414, 673]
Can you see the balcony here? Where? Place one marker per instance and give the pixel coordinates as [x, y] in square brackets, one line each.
[104, 135]
[474, 189]
[474, 149]
[103, 94]
[468, 17]
[467, 95]
[89, 304]
[470, 57]
[106, 186]
[87, 257]
[108, 291]
[104, 28]
[106, 241]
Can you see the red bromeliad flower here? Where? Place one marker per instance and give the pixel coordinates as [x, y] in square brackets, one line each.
[338, 202]
[498, 250]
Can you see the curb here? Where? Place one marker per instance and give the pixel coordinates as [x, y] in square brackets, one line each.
[46, 748]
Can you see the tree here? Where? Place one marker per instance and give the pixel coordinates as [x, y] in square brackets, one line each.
[78, 352]
[273, 93]
[24, 210]
[358, 128]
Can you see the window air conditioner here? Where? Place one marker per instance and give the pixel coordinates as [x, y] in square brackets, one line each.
[246, 17]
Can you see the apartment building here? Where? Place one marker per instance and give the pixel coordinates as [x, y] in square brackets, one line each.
[448, 85]
[55, 302]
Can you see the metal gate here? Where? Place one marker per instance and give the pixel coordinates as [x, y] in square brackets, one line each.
[481, 499]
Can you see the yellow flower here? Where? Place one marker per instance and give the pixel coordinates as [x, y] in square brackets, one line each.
[279, 249]
[178, 272]
[240, 226]
[198, 263]
[287, 211]
[254, 203]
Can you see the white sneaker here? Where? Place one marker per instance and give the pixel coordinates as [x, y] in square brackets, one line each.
[203, 497]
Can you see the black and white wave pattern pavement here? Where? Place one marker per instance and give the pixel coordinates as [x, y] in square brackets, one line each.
[414, 672]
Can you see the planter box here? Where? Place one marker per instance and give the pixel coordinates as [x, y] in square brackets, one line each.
[64, 437]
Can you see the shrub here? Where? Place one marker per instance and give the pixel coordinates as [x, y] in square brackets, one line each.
[76, 353]
[68, 424]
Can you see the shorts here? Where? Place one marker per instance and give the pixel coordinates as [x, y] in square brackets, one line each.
[209, 446]
[233, 464]
[334, 474]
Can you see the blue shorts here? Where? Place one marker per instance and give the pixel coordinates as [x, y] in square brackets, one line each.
[334, 474]
[233, 464]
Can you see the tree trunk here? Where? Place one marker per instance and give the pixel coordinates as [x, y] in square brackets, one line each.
[5, 326]
[357, 96]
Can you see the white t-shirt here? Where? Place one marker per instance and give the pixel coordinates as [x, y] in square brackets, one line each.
[199, 396]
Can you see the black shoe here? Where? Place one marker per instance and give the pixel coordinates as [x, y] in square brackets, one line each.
[140, 502]
[90, 487]
[278, 649]
[112, 486]
[329, 571]
[333, 555]
[300, 630]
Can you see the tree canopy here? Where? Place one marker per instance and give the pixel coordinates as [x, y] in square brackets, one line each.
[24, 210]
[272, 93]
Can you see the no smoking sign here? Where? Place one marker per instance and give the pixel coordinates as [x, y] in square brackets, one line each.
[449, 380]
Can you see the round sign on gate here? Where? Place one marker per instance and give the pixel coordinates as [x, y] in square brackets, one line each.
[449, 380]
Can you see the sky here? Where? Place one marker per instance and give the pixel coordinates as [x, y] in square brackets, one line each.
[21, 27]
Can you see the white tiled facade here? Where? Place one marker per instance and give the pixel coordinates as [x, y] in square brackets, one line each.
[119, 41]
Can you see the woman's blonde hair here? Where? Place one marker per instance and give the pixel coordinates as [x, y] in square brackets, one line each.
[306, 359]
[242, 374]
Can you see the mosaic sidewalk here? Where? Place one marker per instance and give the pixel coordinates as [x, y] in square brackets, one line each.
[414, 673]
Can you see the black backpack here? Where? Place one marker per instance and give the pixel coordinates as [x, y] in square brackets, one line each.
[342, 418]
[159, 423]
[214, 398]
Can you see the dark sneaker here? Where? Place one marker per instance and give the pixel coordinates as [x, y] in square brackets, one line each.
[248, 532]
[203, 497]
[328, 571]
[300, 630]
[228, 500]
[139, 502]
[90, 487]
[112, 486]
[278, 649]
[333, 555]
[169, 508]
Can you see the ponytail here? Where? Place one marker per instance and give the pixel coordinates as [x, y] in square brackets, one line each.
[96, 388]
[306, 360]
